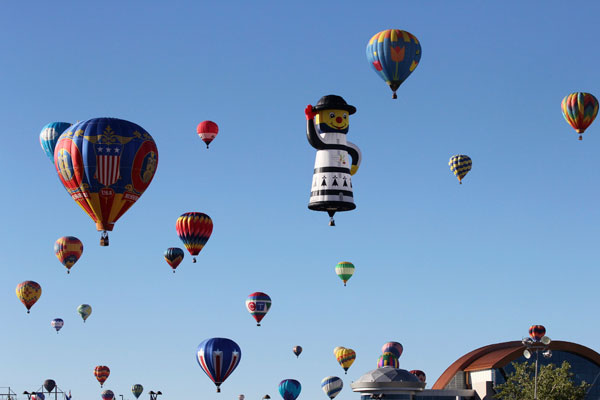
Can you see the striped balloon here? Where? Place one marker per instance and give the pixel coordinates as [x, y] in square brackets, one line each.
[388, 360]
[345, 357]
[289, 389]
[85, 310]
[173, 257]
[57, 324]
[393, 347]
[137, 390]
[336, 349]
[332, 385]
[344, 271]
[101, 372]
[29, 292]
[108, 395]
[258, 305]
[537, 332]
[49, 137]
[68, 249]
[580, 110]
[194, 230]
[419, 374]
[218, 358]
[460, 165]
[394, 54]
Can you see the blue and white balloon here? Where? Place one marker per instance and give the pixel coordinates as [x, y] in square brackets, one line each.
[332, 385]
[49, 137]
[218, 358]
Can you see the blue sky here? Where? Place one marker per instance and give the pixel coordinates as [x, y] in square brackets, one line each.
[440, 267]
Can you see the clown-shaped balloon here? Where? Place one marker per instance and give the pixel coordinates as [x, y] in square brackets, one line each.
[326, 129]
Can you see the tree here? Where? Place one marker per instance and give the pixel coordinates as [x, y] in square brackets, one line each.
[554, 383]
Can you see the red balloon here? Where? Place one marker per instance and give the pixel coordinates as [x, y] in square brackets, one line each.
[537, 332]
[207, 130]
[101, 372]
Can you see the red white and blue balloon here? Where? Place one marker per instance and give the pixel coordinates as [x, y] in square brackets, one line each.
[218, 358]
[57, 324]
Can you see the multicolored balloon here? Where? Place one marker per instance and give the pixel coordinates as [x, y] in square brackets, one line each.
[57, 324]
[68, 249]
[388, 359]
[537, 332]
[332, 386]
[207, 130]
[194, 230]
[394, 55]
[29, 292]
[101, 372]
[336, 349]
[49, 385]
[105, 164]
[580, 110]
[297, 350]
[289, 389]
[258, 305]
[345, 357]
[344, 271]
[174, 256]
[419, 374]
[85, 310]
[218, 358]
[108, 395]
[37, 396]
[393, 347]
[49, 137]
[137, 390]
[460, 165]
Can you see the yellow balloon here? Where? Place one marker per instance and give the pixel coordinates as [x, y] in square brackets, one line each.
[345, 357]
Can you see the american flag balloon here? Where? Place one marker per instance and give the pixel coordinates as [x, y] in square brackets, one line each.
[218, 358]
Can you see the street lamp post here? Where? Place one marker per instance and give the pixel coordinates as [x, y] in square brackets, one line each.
[26, 393]
[154, 395]
[537, 341]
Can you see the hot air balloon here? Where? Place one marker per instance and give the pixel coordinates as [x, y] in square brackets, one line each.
[29, 292]
[580, 110]
[460, 165]
[289, 389]
[241, 397]
[194, 230]
[332, 386]
[388, 359]
[84, 310]
[108, 395]
[345, 357]
[393, 347]
[537, 332]
[101, 372]
[68, 249]
[419, 374]
[297, 350]
[218, 358]
[137, 390]
[37, 396]
[49, 137]
[207, 130]
[57, 324]
[394, 55]
[105, 164]
[258, 305]
[344, 270]
[49, 385]
[336, 349]
[173, 257]
[266, 397]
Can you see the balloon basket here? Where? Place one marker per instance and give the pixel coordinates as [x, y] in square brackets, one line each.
[27, 311]
[104, 239]
[331, 222]
[394, 96]
[194, 259]
[580, 137]
[218, 390]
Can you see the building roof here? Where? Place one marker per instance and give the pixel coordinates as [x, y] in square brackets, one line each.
[501, 354]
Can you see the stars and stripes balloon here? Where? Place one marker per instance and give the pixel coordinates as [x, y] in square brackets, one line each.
[137, 390]
[101, 372]
[393, 347]
[194, 230]
[85, 310]
[173, 257]
[49, 137]
[580, 110]
[537, 332]
[344, 271]
[207, 130]
[297, 350]
[289, 389]
[258, 305]
[394, 54]
[332, 386]
[345, 357]
[57, 324]
[105, 164]
[218, 358]
[29, 293]
[460, 165]
[68, 249]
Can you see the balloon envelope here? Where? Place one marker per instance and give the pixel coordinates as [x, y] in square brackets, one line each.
[580, 110]
[332, 386]
[108, 395]
[68, 249]
[194, 230]
[297, 350]
[49, 385]
[537, 332]
[57, 324]
[394, 54]
[207, 130]
[289, 389]
[460, 165]
[101, 372]
[37, 396]
[218, 358]
[84, 310]
[345, 357]
[29, 292]
[137, 390]
[258, 305]
[419, 374]
[105, 164]
[388, 359]
[392, 347]
[174, 256]
[49, 137]
[344, 271]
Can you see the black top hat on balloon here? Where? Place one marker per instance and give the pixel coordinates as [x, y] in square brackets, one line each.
[333, 102]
